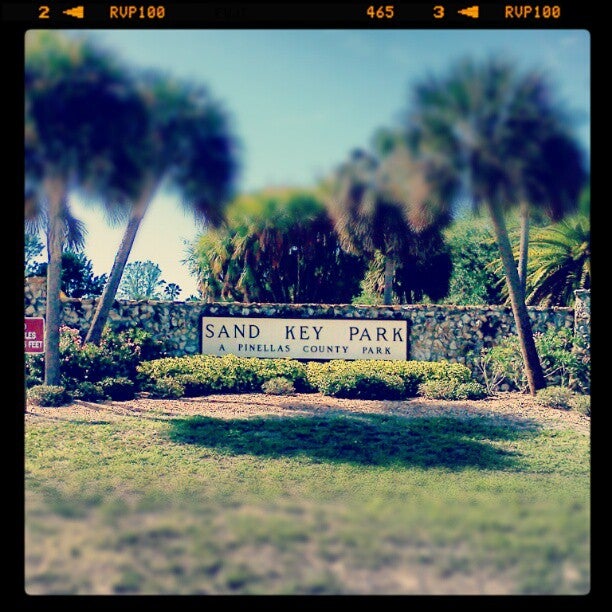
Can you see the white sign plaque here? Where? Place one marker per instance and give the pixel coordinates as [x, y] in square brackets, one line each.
[305, 338]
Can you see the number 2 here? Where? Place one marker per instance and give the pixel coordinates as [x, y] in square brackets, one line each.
[43, 12]
[438, 12]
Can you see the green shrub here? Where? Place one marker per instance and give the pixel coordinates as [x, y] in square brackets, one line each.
[331, 377]
[563, 398]
[167, 388]
[278, 386]
[291, 369]
[34, 370]
[33, 381]
[90, 392]
[580, 375]
[582, 404]
[194, 385]
[452, 389]
[203, 374]
[362, 385]
[49, 395]
[118, 389]
[502, 365]
[118, 355]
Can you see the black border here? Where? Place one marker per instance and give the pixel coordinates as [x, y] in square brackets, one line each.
[582, 15]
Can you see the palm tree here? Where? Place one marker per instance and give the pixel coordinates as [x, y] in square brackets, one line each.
[172, 291]
[558, 164]
[190, 152]
[489, 126]
[560, 262]
[209, 259]
[383, 206]
[83, 123]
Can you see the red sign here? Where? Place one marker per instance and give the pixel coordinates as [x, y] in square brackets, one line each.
[34, 335]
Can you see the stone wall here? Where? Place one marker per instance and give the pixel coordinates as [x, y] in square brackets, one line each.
[434, 332]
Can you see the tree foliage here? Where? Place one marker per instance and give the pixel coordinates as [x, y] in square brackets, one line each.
[84, 129]
[475, 278]
[33, 247]
[423, 272]
[389, 209]
[78, 279]
[560, 262]
[190, 151]
[500, 133]
[277, 245]
[172, 291]
[141, 281]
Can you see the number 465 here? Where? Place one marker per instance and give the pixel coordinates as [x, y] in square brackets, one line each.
[382, 12]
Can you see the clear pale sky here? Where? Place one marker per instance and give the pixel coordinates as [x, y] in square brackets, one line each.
[300, 100]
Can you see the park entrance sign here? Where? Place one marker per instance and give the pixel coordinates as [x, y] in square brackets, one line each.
[34, 336]
[305, 338]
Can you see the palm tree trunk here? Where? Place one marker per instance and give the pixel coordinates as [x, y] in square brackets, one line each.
[524, 246]
[389, 274]
[94, 335]
[533, 368]
[55, 188]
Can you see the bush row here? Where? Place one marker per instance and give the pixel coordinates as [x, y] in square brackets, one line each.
[119, 389]
[201, 374]
[131, 361]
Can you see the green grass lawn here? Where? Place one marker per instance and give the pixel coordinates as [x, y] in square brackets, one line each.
[349, 503]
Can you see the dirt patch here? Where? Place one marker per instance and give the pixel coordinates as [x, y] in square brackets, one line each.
[517, 406]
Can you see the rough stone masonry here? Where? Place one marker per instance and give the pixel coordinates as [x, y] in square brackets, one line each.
[435, 332]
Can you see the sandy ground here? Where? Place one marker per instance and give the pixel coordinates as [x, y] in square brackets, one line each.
[505, 405]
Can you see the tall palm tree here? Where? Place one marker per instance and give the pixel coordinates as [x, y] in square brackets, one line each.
[490, 126]
[383, 206]
[191, 152]
[83, 122]
[558, 164]
[37, 220]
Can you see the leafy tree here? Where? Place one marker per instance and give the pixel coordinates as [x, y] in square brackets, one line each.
[190, 151]
[172, 291]
[489, 125]
[78, 279]
[83, 124]
[475, 279]
[141, 281]
[278, 245]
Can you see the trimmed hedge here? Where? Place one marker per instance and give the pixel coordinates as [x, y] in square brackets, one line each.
[369, 379]
[278, 386]
[381, 379]
[204, 374]
[452, 390]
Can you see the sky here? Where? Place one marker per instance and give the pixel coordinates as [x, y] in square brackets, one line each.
[301, 100]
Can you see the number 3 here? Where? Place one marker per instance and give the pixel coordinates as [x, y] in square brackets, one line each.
[438, 12]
